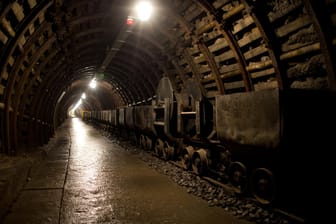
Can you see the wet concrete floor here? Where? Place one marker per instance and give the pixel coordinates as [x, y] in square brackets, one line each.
[88, 179]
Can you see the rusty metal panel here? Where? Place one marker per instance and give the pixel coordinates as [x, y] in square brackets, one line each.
[121, 116]
[109, 116]
[114, 117]
[106, 118]
[251, 118]
[129, 117]
[164, 90]
[103, 115]
[97, 115]
[144, 118]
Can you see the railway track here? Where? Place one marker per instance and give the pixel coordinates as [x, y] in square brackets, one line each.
[289, 216]
[214, 192]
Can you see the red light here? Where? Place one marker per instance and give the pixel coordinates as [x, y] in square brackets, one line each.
[130, 21]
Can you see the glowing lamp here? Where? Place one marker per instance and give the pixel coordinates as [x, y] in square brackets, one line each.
[93, 83]
[144, 10]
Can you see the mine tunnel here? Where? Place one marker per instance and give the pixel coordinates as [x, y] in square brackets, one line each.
[180, 111]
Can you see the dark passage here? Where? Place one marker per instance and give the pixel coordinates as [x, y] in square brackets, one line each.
[87, 179]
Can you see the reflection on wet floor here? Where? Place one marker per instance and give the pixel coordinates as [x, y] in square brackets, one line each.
[102, 183]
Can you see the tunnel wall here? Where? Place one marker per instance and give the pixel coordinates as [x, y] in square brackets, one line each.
[226, 46]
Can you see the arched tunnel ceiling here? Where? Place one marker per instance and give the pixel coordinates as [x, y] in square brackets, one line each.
[50, 50]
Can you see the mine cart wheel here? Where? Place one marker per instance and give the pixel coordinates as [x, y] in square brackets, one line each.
[168, 151]
[263, 185]
[186, 155]
[158, 149]
[238, 177]
[148, 143]
[199, 162]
